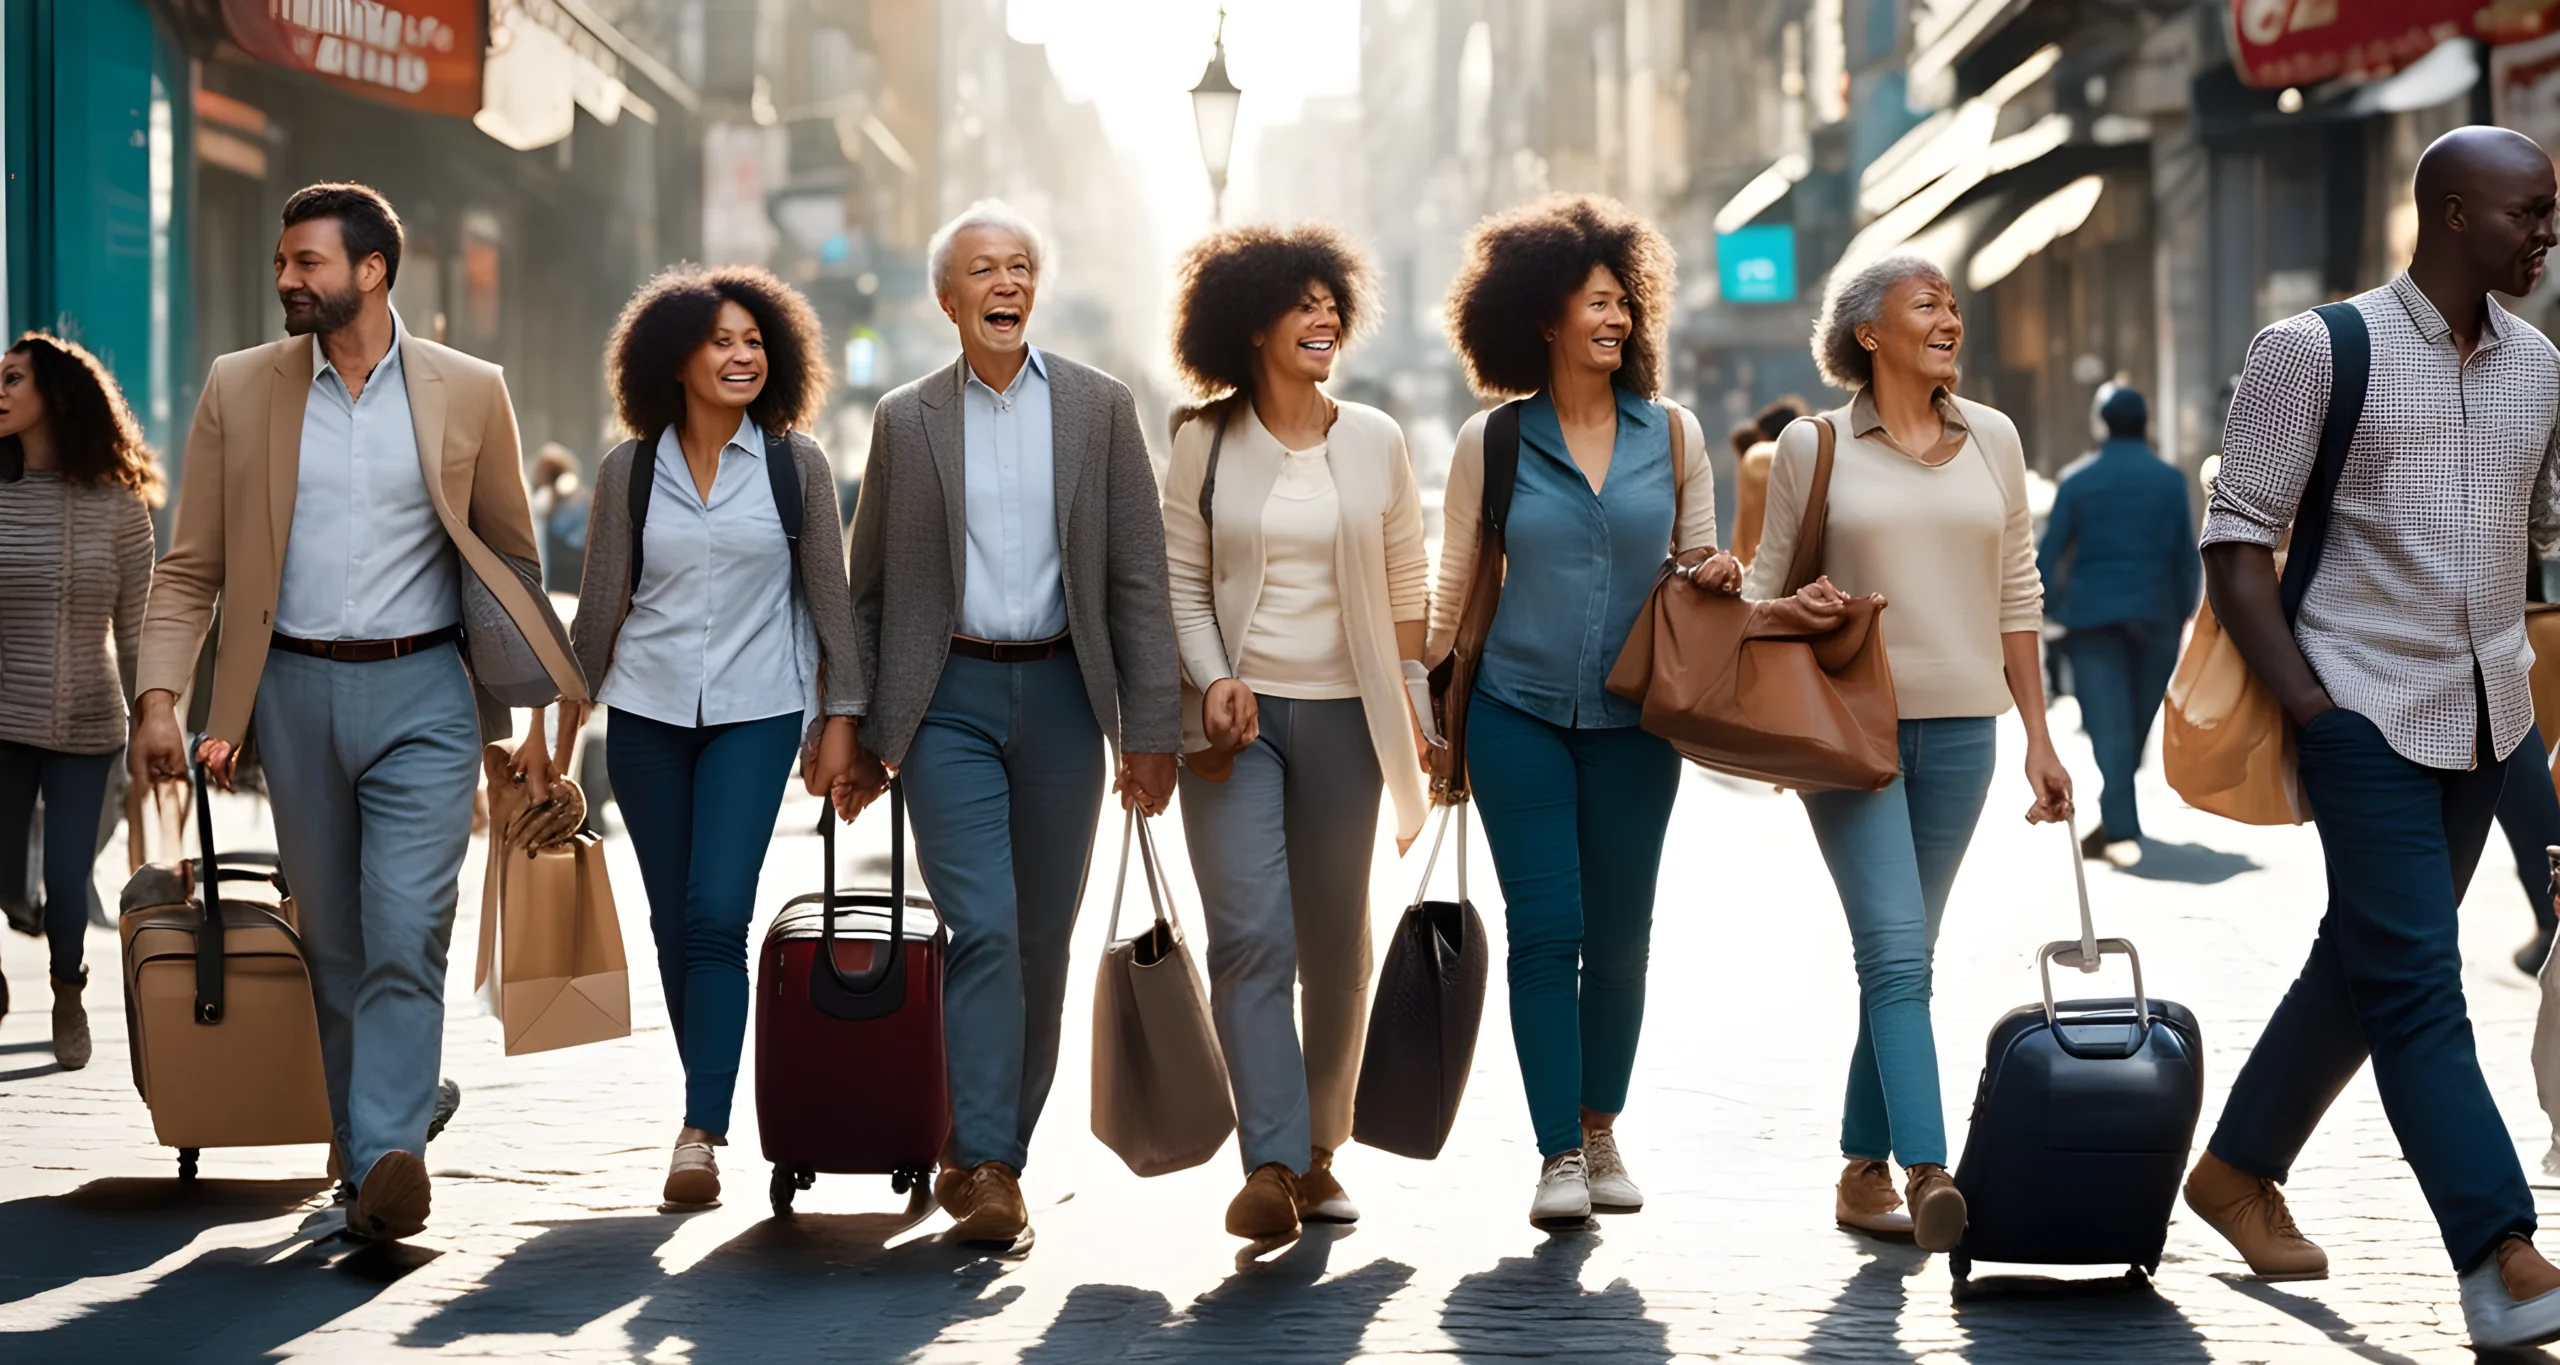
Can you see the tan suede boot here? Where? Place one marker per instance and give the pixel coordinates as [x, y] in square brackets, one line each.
[70, 1023]
[986, 1205]
[1865, 1201]
[1937, 1207]
[1320, 1196]
[1266, 1209]
[2250, 1214]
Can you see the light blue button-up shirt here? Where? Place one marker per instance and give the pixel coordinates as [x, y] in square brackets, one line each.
[367, 558]
[1011, 588]
[714, 634]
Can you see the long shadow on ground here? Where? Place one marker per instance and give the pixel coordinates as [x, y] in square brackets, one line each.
[1535, 1306]
[1282, 1312]
[118, 1226]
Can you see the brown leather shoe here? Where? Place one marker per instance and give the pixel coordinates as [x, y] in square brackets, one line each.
[2250, 1213]
[985, 1204]
[1937, 1207]
[1320, 1197]
[1266, 1209]
[1865, 1201]
[392, 1201]
[2526, 1273]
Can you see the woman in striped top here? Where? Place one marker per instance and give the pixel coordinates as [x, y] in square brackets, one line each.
[75, 570]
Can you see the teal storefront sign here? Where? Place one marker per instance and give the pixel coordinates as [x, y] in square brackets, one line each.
[1757, 264]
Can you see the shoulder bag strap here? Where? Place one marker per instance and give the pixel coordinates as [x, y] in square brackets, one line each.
[1679, 470]
[644, 481]
[1804, 564]
[2350, 370]
[1501, 470]
[788, 504]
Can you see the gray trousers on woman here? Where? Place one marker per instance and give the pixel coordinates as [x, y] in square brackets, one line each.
[1281, 850]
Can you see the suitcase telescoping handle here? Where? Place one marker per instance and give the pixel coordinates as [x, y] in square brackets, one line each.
[208, 896]
[2085, 951]
[879, 990]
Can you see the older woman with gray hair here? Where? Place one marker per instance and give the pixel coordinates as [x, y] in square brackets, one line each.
[1928, 507]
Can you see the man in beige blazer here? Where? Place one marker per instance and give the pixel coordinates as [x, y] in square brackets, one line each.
[352, 501]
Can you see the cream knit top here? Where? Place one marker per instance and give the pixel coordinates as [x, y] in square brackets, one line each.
[75, 572]
[1949, 547]
[1295, 645]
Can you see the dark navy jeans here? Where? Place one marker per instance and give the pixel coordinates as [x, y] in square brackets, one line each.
[75, 793]
[2119, 672]
[699, 802]
[2385, 979]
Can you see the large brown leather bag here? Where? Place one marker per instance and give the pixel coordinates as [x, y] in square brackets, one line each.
[1762, 689]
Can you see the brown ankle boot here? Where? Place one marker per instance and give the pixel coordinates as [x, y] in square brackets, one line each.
[1320, 1195]
[1266, 1209]
[985, 1204]
[1937, 1207]
[2250, 1214]
[1865, 1201]
[70, 1023]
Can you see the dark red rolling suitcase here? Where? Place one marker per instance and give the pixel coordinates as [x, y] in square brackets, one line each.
[850, 1074]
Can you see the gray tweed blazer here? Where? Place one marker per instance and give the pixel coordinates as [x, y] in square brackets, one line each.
[909, 548]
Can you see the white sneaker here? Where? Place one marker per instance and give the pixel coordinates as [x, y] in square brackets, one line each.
[1612, 1189]
[2494, 1317]
[1564, 1193]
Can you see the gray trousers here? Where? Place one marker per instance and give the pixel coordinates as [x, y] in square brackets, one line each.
[1282, 850]
[371, 768]
[1004, 784]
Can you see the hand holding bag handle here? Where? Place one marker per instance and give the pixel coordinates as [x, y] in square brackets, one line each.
[880, 989]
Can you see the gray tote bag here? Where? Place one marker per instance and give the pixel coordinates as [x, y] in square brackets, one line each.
[1160, 1091]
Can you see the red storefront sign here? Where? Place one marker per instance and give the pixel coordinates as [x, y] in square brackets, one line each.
[2277, 43]
[418, 54]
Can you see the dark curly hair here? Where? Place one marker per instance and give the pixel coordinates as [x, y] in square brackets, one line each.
[673, 314]
[1521, 266]
[95, 436]
[1239, 280]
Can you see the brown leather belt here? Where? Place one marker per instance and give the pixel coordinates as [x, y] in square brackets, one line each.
[365, 651]
[1008, 651]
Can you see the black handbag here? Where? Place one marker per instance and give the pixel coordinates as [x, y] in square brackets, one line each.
[1423, 1021]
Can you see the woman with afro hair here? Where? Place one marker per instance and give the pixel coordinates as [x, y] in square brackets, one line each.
[724, 648]
[1294, 540]
[1561, 306]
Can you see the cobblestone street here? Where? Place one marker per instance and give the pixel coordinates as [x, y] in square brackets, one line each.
[546, 1241]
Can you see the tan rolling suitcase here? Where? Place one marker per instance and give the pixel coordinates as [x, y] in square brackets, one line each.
[226, 1045]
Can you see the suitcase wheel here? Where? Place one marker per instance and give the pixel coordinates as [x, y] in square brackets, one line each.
[788, 1181]
[187, 1164]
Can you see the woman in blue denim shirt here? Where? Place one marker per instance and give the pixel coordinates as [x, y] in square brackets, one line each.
[1565, 301]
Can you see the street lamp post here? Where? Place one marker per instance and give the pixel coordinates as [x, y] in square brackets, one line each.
[1213, 111]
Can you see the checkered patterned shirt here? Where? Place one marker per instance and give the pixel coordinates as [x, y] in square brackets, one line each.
[2453, 466]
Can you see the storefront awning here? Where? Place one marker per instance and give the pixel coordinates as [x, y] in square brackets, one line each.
[1947, 139]
[2280, 43]
[423, 56]
[1761, 191]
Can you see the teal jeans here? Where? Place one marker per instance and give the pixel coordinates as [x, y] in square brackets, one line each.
[1893, 855]
[1576, 819]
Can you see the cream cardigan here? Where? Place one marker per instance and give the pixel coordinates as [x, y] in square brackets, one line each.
[1382, 567]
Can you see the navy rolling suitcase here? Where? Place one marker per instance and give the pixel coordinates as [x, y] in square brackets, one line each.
[2082, 1121]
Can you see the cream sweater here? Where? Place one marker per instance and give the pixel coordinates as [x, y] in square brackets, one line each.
[1949, 547]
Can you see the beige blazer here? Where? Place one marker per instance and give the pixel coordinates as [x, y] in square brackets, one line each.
[235, 505]
[1379, 562]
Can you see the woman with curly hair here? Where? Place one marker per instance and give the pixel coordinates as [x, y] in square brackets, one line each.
[77, 486]
[1562, 306]
[1927, 506]
[723, 637]
[1293, 536]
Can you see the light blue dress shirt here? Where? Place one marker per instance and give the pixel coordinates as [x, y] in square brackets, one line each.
[367, 558]
[1012, 588]
[715, 634]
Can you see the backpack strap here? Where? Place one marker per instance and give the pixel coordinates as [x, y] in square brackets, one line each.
[2350, 370]
[1501, 465]
[644, 481]
[783, 473]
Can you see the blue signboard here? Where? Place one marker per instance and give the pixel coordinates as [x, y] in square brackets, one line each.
[1757, 264]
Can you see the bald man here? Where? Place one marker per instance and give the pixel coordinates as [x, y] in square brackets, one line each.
[2396, 644]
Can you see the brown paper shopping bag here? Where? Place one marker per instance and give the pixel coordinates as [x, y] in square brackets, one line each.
[551, 960]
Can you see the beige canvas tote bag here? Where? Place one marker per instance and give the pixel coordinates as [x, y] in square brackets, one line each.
[1160, 1091]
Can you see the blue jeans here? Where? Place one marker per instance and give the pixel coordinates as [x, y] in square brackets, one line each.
[2385, 979]
[75, 793]
[699, 802]
[2529, 814]
[1576, 819]
[1004, 783]
[371, 768]
[2120, 672]
[1893, 855]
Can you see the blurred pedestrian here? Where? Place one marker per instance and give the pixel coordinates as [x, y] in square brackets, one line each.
[1567, 302]
[1928, 506]
[2121, 577]
[723, 645]
[1009, 601]
[75, 573]
[561, 506]
[1751, 471]
[1293, 536]
[306, 516]
[2404, 673]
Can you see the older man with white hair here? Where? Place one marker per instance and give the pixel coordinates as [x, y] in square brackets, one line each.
[1010, 602]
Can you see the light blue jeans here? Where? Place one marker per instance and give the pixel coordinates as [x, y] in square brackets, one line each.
[1893, 855]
